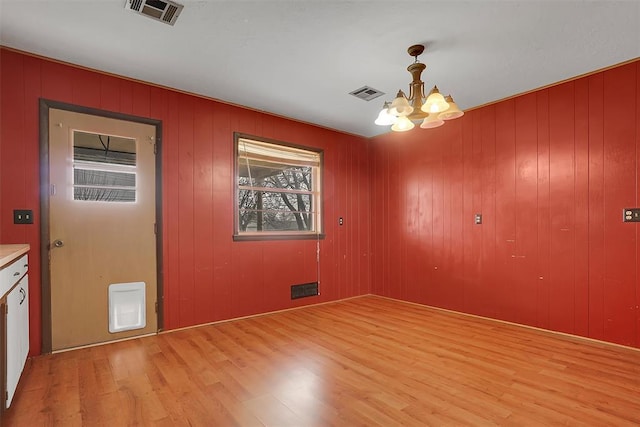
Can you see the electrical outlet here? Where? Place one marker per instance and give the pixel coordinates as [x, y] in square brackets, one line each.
[631, 215]
[477, 219]
[23, 216]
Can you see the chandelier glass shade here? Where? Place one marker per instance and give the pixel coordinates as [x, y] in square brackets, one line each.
[385, 118]
[404, 112]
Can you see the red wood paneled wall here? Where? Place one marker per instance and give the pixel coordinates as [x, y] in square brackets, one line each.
[550, 172]
[207, 277]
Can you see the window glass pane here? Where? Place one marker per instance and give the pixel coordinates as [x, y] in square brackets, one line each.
[275, 221]
[264, 200]
[277, 188]
[292, 178]
[103, 178]
[262, 210]
[104, 168]
[91, 147]
[97, 194]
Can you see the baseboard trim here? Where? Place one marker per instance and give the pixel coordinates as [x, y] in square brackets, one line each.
[267, 313]
[506, 322]
[97, 344]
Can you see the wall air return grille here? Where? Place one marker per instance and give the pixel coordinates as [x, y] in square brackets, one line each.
[304, 290]
[161, 10]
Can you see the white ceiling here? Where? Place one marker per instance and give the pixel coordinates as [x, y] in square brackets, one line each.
[301, 58]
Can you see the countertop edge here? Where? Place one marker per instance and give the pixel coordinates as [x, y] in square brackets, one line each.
[9, 253]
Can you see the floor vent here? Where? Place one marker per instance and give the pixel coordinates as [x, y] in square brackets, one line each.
[366, 93]
[304, 290]
[161, 10]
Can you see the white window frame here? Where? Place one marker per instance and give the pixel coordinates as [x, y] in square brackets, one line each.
[251, 152]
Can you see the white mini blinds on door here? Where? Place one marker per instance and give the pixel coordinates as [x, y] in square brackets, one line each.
[278, 189]
[104, 168]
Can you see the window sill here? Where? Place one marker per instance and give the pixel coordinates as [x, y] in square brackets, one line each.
[267, 236]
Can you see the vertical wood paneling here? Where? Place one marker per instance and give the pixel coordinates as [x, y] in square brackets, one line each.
[413, 223]
[427, 177]
[56, 83]
[544, 210]
[503, 276]
[340, 200]
[109, 93]
[377, 224]
[561, 207]
[637, 229]
[364, 216]
[207, 276]
[126, 97]
[12, 179]
[550, 172]
[596, 207]
[85, 88]
[140, 100]
[457, 217]
[203, 212]
[486, 189]
[620, 191]
[222, 212]
[171, 209]
[394, 229]
[437, 284]
[525, 278]
[31, 167]
[581, 208]
[470, 270]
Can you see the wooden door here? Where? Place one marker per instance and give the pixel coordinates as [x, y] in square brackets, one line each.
[101, 223]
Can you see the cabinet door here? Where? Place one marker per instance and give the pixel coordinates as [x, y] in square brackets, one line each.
[3, 355]
[23, 322]
[17, 321]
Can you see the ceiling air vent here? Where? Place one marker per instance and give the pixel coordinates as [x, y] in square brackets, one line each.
[367, 93]
[160, 10]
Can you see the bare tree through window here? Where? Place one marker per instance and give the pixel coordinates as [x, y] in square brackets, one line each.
[278, 188]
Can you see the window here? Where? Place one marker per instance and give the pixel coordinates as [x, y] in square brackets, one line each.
[104, 168]
[278, 190]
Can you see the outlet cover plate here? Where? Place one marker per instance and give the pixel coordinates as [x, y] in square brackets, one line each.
[23, 216]
[631, 215]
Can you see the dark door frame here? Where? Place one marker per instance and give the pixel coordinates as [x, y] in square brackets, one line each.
[45, 277]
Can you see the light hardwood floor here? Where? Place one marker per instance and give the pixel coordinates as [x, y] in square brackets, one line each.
[367, 361]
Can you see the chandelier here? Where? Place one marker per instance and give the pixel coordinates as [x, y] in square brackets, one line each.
[405, 111]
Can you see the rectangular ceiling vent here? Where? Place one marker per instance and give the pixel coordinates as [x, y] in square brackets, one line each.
[367, 93]
[161, 10]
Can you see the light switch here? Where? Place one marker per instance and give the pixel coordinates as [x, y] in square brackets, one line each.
[23, 216]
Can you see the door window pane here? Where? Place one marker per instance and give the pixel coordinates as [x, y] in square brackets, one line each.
[104, 168]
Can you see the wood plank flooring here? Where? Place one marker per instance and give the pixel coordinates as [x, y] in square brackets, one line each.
[367, 361]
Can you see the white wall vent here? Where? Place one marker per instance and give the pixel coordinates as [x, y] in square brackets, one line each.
[161, 10]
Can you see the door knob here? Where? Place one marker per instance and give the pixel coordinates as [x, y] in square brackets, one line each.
[58, 243]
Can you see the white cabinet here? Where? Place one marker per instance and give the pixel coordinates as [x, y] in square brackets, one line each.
[14, 324]
[17, 334]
